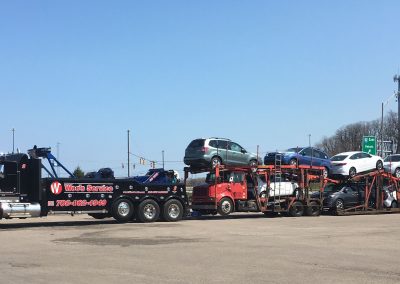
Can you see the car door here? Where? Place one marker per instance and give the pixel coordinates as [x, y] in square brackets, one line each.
[222, 150]
[367, 162]
[317, 158]
[305, 156]
[355, 162]
[353, 196]
[235, 153]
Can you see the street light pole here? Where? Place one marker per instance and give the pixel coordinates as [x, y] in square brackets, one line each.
[163, 159]
[13, 131]
[396, 78]
[129, 152]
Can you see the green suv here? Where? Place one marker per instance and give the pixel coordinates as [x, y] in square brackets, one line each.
[214, 151]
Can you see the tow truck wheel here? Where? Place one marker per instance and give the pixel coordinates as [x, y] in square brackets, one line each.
[225, 206]
[297, 209]
[122, 210]
[313, 209]
[148, 211]
[172, 210]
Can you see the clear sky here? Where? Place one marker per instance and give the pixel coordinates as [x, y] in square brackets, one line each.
[264, 73]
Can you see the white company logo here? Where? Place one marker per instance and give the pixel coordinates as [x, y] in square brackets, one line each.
[56, 188]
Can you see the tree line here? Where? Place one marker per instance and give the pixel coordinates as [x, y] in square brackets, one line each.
[349, 137]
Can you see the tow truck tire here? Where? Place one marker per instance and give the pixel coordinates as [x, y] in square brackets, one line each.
[225, 206]
[148, 211]
[313, 209]
[297, 209]
[172, 211]
[99, 216]
[122, 210]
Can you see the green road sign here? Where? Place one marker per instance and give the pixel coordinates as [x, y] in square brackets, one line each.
[369, 145]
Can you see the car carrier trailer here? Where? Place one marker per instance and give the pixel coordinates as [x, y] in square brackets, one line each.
[25, 193]
[376, 186]
[236, 189]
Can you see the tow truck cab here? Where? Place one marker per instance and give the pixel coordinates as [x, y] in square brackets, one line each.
[24, 193]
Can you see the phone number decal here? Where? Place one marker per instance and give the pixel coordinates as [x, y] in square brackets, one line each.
[81, 203]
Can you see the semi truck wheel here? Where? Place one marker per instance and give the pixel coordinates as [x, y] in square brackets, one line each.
[148, 211]
[297, 209]
[225, 206]
[122, 210]
[172, 210]
[313, 209]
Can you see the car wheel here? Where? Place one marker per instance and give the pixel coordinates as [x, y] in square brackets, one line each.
[325, 172]
[379, 165]
[297, 209]
[393, 205]
[122, 210]
[215, 161]
[313, 209]
[148, 211]
[225, 206]
[253, 163]
[397, 172]
[352, 172]
[172, 210]
[339, 206]
[293, 162]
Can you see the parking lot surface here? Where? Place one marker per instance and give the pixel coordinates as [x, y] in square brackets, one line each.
[244, 248]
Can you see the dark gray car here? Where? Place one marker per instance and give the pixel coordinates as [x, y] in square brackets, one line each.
[207, 152]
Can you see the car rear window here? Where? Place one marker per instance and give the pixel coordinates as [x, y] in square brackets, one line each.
[196, 143]
[338, 158]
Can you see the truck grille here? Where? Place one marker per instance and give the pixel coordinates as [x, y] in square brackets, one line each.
[200, 192]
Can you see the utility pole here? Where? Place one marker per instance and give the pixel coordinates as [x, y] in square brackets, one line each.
[396, 78]
[382, 133]
[309, 140]
[13, 131]
[129, 152]
[58, 158]
[163, 166]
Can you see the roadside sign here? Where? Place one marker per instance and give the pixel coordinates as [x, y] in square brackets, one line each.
[369, 145]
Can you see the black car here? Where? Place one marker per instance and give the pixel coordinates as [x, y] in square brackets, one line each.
[338, 197]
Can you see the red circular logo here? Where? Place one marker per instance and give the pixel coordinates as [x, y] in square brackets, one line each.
[56, 188]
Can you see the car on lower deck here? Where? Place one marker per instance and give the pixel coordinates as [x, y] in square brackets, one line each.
[338, 197]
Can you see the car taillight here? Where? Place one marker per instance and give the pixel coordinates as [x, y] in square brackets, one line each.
[204, 149]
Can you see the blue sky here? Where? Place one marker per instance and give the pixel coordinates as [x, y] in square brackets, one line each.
[262, 73]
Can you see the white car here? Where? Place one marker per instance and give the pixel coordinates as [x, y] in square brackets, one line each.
[278, 187]
[351, 163]
[392, 165]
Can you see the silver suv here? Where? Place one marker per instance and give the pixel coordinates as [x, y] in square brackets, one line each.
[213, 151]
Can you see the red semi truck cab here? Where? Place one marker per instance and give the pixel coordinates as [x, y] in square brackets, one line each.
[225, 192]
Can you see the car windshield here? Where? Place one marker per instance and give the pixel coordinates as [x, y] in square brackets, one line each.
[338, 158]
[395, 158]
[330, 188]
[296, 150]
